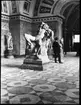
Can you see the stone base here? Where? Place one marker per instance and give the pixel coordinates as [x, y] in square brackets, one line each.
[8, 54]
[31, 67]
[32, 62]
[11, 57]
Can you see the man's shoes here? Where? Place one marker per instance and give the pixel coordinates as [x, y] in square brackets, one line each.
[55, 62]
[61, 62]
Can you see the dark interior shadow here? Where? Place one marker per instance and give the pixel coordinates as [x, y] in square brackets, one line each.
[11, 66]
[17, 66]
[71, 54]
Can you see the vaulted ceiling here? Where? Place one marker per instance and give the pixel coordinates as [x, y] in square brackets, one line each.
[68, 9]
[33, 8]
[72, 17]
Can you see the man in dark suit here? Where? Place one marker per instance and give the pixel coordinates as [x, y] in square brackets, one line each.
[57, 50]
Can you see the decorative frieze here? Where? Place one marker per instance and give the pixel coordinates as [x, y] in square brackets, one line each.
[20, 17]
[25, 18]
[53, 18]
[16, 17]
[4, 17]
[33, 20]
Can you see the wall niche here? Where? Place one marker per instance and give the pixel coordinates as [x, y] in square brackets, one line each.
[5, 9]
[26, 7]
[14, 8]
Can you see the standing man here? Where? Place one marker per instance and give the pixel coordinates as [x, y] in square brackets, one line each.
[57, 50]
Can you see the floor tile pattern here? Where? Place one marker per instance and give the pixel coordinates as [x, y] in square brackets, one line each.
[56, 84]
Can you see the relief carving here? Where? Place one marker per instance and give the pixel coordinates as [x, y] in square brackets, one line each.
[44, 9]
[4, 26]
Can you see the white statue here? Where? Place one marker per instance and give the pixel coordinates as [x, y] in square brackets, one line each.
[43, 38]
[10, 41]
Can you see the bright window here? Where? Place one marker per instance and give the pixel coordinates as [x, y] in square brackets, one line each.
[76, 39]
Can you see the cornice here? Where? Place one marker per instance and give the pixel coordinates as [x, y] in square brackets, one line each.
[50, 18]
[4, 17]
[58, 18]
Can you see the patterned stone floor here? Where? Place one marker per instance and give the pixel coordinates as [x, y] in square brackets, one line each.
[56, 84]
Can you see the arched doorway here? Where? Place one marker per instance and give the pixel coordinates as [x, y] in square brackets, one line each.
[71, 12]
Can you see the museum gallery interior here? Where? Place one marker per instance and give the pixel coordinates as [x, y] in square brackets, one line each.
[29, 73]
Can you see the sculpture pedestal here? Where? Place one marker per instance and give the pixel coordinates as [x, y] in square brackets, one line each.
[32, 62]
[10, 55]
[35, 62]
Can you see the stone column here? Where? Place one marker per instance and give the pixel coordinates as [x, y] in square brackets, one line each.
[60, 36]
[25, 28]
[15, 31]
[65, 47]
[59, 29]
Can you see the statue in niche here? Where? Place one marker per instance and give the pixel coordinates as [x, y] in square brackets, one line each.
[10, 41]
[8, 45]
[26, 5]
[5, 6]
[14, 9]
[39, 45]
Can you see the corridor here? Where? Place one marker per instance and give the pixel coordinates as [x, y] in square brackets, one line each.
[56, 84]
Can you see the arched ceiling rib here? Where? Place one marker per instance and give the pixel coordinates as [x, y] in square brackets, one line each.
[62, 5]
[71, 14]
[76, 26]
[47, 7]
[36, 7]
[71, 10]
[71, 19]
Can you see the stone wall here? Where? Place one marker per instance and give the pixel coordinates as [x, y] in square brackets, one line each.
[25, 27]
[15, 32]
[35, 27]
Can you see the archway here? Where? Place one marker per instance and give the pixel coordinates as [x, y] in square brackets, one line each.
[71, 13]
